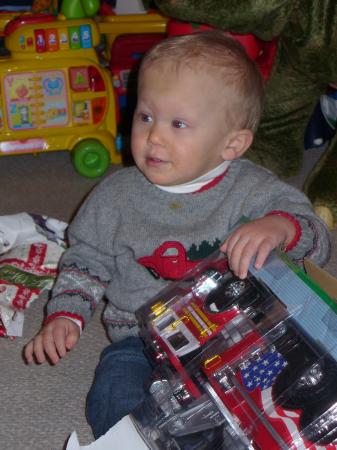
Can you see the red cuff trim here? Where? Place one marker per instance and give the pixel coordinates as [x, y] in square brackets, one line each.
[64, 314]
[295, 222]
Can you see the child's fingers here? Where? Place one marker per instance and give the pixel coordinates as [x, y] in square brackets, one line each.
[53, 341]
[239, 256]
[49, 348]
[230, 243]
[59, 338]
[39, 351]
[247, 253]
[72, 339]
[263, 251]
[28, 352]
[223, 247]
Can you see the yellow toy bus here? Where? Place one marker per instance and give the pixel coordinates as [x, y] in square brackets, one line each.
[55, 94]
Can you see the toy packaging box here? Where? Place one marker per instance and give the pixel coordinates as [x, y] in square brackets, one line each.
[244, 364]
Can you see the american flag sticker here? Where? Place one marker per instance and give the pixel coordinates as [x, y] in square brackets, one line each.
[262, 372]
[257, 377]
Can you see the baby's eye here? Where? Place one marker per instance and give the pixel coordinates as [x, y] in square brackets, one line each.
[178, 124]
[145, 117]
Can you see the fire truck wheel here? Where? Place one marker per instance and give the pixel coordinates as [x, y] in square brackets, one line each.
[320, 426]
[226, 295]
[90, 158]
[316, 384]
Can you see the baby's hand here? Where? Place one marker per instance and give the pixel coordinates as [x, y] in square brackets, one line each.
[53, 341]
[256, 239]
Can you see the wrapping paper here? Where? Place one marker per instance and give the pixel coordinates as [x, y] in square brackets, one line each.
[30, 250]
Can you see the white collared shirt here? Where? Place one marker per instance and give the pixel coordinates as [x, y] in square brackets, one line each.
[197, 183]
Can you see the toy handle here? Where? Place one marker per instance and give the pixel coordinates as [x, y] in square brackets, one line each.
[78, 9]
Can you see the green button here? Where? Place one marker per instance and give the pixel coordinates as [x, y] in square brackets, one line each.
[74, 37]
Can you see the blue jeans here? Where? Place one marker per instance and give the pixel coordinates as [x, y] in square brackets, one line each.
[118, 385]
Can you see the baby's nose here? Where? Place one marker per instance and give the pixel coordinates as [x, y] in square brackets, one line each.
[156, 136]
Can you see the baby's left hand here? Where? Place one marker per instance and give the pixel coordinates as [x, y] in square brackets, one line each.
[256, 239]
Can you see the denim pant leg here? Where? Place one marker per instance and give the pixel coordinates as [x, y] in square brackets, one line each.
[118, 385]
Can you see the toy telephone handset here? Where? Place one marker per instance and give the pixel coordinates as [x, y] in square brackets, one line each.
[78, 9]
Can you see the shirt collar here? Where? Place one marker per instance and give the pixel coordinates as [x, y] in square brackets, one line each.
[198, 183]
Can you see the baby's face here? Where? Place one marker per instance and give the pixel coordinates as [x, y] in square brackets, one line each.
[179, 127]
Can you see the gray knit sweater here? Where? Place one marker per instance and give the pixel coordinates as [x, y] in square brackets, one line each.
[123, 235]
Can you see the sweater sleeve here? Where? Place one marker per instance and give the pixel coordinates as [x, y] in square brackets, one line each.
[312, 240]
[273, 195]
[86, 267]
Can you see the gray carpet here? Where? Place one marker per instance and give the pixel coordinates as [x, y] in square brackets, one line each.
[42, 405]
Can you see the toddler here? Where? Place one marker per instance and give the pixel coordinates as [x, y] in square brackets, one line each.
[199, 102]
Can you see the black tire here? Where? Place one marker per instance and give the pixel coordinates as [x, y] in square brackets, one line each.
[319, 426]
[226, 295]
[213, 439]
[314, 384]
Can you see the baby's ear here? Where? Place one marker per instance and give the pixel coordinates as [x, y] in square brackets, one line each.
[237, 143]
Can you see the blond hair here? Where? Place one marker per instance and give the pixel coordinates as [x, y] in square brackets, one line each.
[226, 59]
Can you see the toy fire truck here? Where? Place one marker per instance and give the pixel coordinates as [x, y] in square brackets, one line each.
[236, 366]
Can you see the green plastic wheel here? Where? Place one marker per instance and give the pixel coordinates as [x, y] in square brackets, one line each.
[90, 158]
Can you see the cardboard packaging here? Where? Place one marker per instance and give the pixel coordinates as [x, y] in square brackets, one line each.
[241, 364]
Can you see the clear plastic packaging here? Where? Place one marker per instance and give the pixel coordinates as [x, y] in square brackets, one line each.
[240, 364]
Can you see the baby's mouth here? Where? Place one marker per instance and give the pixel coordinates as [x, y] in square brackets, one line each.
[154, 161]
